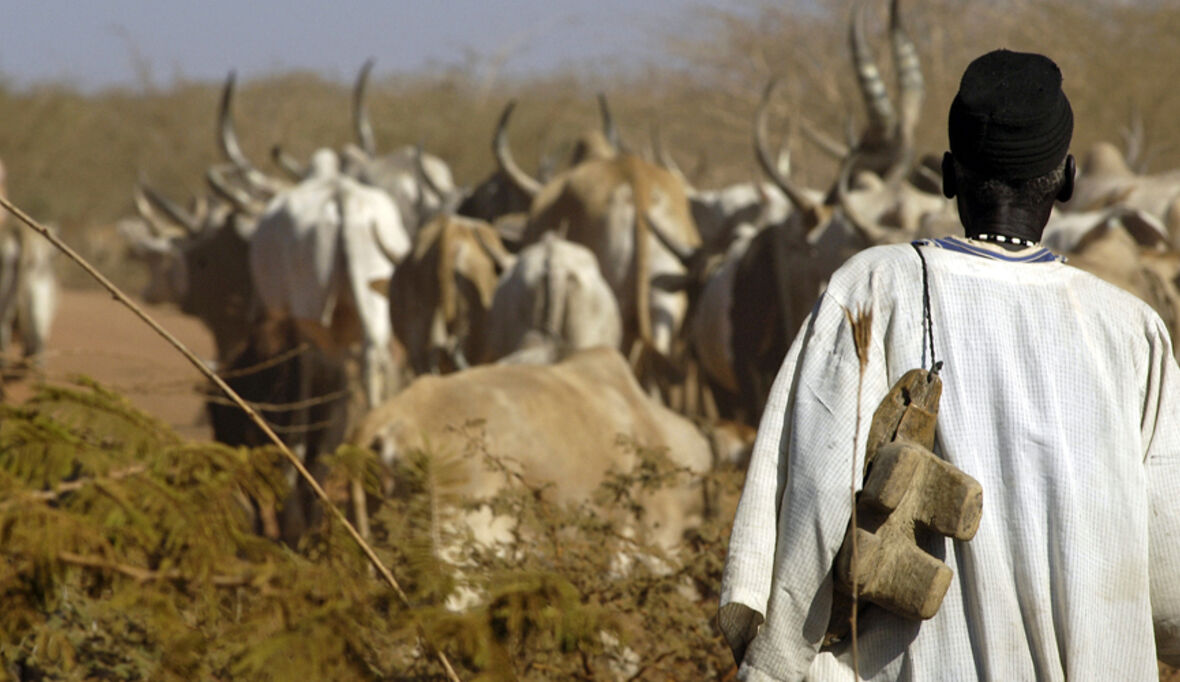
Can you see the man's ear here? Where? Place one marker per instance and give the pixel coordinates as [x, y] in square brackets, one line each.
[1071, 170]
[950, 183]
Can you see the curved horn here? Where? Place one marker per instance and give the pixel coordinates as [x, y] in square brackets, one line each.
[420, 195]
[827, 144]
[144, 208]
[794, 194]
[1132, 135]
[385, 250]
[227, 138]
[360, 113]
[522, 180]
[872, 86]
[424, 176]
[608, 123]
[488, 240]
[171, 209]
[685, 254]
[872, 233]
[665, 159]
[287, 162]
[911, 90]
[239, 199]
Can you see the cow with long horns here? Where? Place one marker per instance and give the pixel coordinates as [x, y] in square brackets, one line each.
[197, 260]
[607, 201]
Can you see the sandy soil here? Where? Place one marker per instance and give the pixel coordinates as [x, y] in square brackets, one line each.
[96, 336]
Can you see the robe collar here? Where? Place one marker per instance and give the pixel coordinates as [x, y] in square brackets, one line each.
[1030, 254]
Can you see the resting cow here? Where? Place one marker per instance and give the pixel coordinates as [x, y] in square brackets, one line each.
[555, 424]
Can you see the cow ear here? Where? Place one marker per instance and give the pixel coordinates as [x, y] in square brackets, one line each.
[1147, 230]
[140, 238]
[1071, 170]
[950, 183]
[381, 285]
[244, 227]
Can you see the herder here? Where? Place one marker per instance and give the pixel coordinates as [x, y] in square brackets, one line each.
[1060, 396]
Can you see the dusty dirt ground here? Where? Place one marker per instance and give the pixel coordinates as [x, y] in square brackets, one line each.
[95, 335]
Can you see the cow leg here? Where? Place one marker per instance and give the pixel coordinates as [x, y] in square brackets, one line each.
[38, 305]
[6, 323]
[377, 370]
[709, 402]
[692, 388]
[9, 279]
[667, 312]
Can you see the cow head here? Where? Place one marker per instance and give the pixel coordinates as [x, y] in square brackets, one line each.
[201, 265]
[420, 184]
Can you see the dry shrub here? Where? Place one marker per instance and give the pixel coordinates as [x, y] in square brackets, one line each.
[128, 553]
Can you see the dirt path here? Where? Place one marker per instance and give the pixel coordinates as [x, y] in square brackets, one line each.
[95, 335]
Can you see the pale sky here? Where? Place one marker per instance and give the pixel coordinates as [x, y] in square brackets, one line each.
[99, 43]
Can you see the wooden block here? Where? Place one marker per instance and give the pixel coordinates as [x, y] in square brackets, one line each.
[946, 499]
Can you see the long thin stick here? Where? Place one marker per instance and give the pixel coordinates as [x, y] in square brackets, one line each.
[862, 334]
[209, 374]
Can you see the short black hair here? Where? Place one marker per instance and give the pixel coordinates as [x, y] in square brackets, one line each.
[1031, 193]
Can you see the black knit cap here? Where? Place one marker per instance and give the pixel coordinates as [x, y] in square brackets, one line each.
[1011, 119]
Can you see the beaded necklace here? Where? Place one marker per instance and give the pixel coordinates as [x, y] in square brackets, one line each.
[1004, 239]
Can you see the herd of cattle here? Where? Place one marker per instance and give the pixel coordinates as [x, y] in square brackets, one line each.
[363, 295]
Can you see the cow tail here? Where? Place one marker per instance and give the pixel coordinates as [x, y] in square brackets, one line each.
[446, 272]
[340, 262]
[642, 197]
[555, 296]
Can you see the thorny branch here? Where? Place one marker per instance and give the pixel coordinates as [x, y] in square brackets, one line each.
[70, 486]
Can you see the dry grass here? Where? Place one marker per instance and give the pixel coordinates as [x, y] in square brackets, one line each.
[72, 158]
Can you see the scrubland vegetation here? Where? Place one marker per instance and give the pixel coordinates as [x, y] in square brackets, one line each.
[128, 553]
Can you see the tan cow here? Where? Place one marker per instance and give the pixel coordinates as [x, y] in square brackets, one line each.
[553, 424]
[607, 201]
[1105, 180]
[440, 294]
[1137, 258]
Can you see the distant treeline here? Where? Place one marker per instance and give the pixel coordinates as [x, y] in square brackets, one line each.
[73, 158]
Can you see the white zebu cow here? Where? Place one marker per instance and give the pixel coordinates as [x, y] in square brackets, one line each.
[28, 289]
[553, 297]
[420, 184]
[313, 259]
